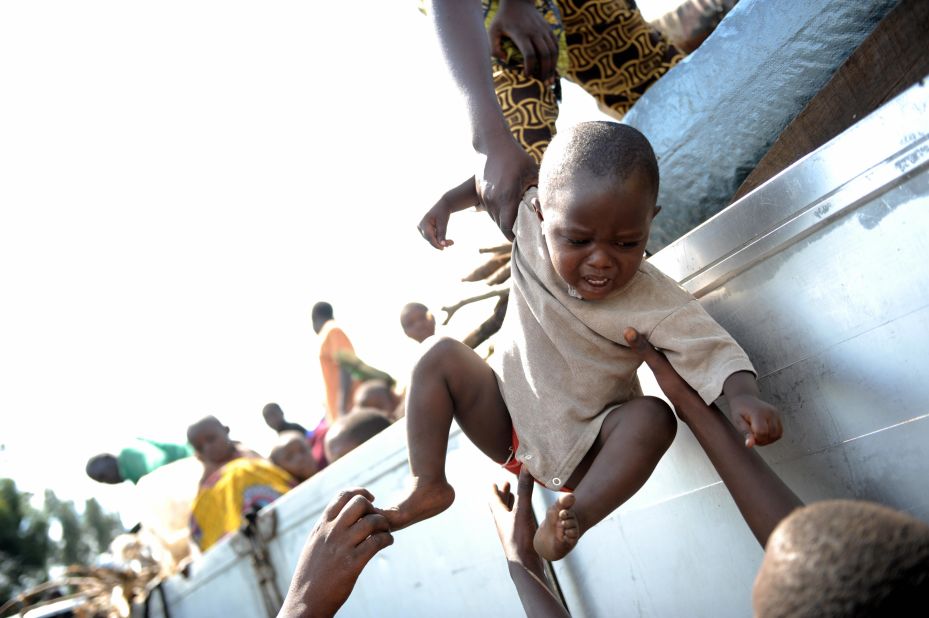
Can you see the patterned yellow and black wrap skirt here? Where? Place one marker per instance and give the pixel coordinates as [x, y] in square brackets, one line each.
[605, 46]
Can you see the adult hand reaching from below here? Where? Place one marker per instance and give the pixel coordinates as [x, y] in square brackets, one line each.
[346, 537]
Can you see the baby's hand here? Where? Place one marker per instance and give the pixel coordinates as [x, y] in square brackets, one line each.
[755, 419]
[433, 225]
[435, 222]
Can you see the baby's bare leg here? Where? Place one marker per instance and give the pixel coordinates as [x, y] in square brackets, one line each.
[632, 440]
[449, 381]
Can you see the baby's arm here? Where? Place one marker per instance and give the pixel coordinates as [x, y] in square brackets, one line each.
[435, 222]
[763, 498]
[755, 418]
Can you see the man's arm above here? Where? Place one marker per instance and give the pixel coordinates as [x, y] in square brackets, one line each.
[506, 170]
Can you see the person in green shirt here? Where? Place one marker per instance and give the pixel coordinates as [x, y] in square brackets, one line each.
[134, 462]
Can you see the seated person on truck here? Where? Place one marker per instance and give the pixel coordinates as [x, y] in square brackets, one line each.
[274, 418]
[377, 394]
[350, 432]
[562, 397]
[294, 454]
[236, 481]
[134, 462]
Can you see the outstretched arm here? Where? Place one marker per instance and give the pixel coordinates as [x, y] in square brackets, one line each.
[507, 170]
[762, 498]
[516, 528]
[359, 369]
[344, 540]
[434, 224]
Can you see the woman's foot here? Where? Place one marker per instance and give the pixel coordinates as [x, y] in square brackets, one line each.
[427, 499]
[558, 533]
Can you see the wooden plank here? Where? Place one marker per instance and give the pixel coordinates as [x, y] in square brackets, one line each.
[891, 59]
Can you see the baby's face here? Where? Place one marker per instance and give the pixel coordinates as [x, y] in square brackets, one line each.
[297, 458]
[596, 230]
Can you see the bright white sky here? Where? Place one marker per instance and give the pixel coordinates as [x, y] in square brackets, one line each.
[179, 183]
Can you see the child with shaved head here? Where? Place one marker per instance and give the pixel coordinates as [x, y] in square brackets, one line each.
[417, 322]
[562, 398]
[844, 559]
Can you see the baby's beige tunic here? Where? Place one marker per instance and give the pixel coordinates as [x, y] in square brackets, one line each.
[562, 363]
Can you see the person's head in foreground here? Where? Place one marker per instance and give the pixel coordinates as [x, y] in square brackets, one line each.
[273, 416]
[598, 186]
[844, 558]
[376, 394]
[417, 322]
[103, 468]
[353, 430]
[322, 313]
[211, 442]
[293, 453]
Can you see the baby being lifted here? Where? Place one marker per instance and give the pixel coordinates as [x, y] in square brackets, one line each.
[562, 397]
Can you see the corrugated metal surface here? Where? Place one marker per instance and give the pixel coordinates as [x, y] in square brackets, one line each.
[714, 116]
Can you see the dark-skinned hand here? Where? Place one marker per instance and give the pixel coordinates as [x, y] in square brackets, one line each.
[346, 537]
[519, 21]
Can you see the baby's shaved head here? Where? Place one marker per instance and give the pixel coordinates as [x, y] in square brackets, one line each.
[601, 149]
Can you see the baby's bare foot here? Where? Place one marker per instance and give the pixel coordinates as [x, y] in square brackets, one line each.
[558, 533]
[427, 499]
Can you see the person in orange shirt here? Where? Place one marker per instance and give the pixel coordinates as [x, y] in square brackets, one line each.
[342, 369]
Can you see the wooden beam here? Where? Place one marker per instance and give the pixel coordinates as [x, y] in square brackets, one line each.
[892, 58]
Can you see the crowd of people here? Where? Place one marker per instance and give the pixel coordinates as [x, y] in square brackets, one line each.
[361, 401]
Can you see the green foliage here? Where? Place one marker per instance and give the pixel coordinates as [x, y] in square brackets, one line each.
[100, 528]
[25, 548]
[24, 543]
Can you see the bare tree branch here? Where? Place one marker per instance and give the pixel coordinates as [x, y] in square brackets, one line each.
[506, 248]
[490, 326]
[488, 268]
[450, 310]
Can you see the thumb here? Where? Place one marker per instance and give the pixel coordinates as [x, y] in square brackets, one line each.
[745, 430]
[441, 225]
